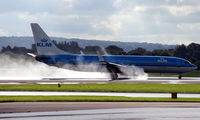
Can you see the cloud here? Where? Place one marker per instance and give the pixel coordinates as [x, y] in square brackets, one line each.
[140, 9]
[180, 11]
[189, 26]
[26, 16]
[122, 20]
[3, 32]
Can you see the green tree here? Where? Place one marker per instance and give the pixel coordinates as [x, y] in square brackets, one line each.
[138, 51]
[115, 50]
[180, 51]
[71, 47]
[91, 49]
[6, 49]
[160, 52]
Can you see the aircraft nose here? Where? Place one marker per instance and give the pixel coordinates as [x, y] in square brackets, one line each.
[194, 67]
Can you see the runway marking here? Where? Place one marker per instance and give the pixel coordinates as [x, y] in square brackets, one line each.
[36, 93]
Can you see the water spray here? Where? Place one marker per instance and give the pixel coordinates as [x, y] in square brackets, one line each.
[20, 66]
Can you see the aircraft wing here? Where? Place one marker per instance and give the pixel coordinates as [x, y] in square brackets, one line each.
[112, 68]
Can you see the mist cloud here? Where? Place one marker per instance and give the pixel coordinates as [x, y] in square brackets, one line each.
[22, 67]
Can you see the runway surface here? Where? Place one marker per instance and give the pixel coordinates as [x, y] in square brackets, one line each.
[150, 80]
[160, 95]
[100, 111]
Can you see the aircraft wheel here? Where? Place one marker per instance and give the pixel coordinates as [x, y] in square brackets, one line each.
[179, 77]
[114, 76]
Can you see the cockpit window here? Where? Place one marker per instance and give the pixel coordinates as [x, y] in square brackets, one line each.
[187, 62]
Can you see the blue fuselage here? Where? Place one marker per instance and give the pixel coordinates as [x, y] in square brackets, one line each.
[157, 64]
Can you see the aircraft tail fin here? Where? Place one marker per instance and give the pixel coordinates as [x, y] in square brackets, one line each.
[43, 43]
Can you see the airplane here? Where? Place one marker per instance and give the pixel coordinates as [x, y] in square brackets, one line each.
[48, 53]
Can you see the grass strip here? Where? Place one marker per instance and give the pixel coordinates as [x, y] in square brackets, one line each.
[110, 87]
[90, 99]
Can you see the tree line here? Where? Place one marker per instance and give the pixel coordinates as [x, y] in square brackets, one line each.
[190, 52]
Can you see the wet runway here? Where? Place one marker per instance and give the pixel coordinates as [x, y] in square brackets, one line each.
[151, 113]
[149, 80]
[99, 110]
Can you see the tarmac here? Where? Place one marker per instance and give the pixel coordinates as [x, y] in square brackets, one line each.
[99, 111]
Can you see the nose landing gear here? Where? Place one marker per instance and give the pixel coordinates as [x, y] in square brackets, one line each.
[180, 76]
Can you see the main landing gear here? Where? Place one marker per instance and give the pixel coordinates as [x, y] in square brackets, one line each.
[113, 75]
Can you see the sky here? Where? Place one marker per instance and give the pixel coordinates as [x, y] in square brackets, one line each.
[152, 21]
